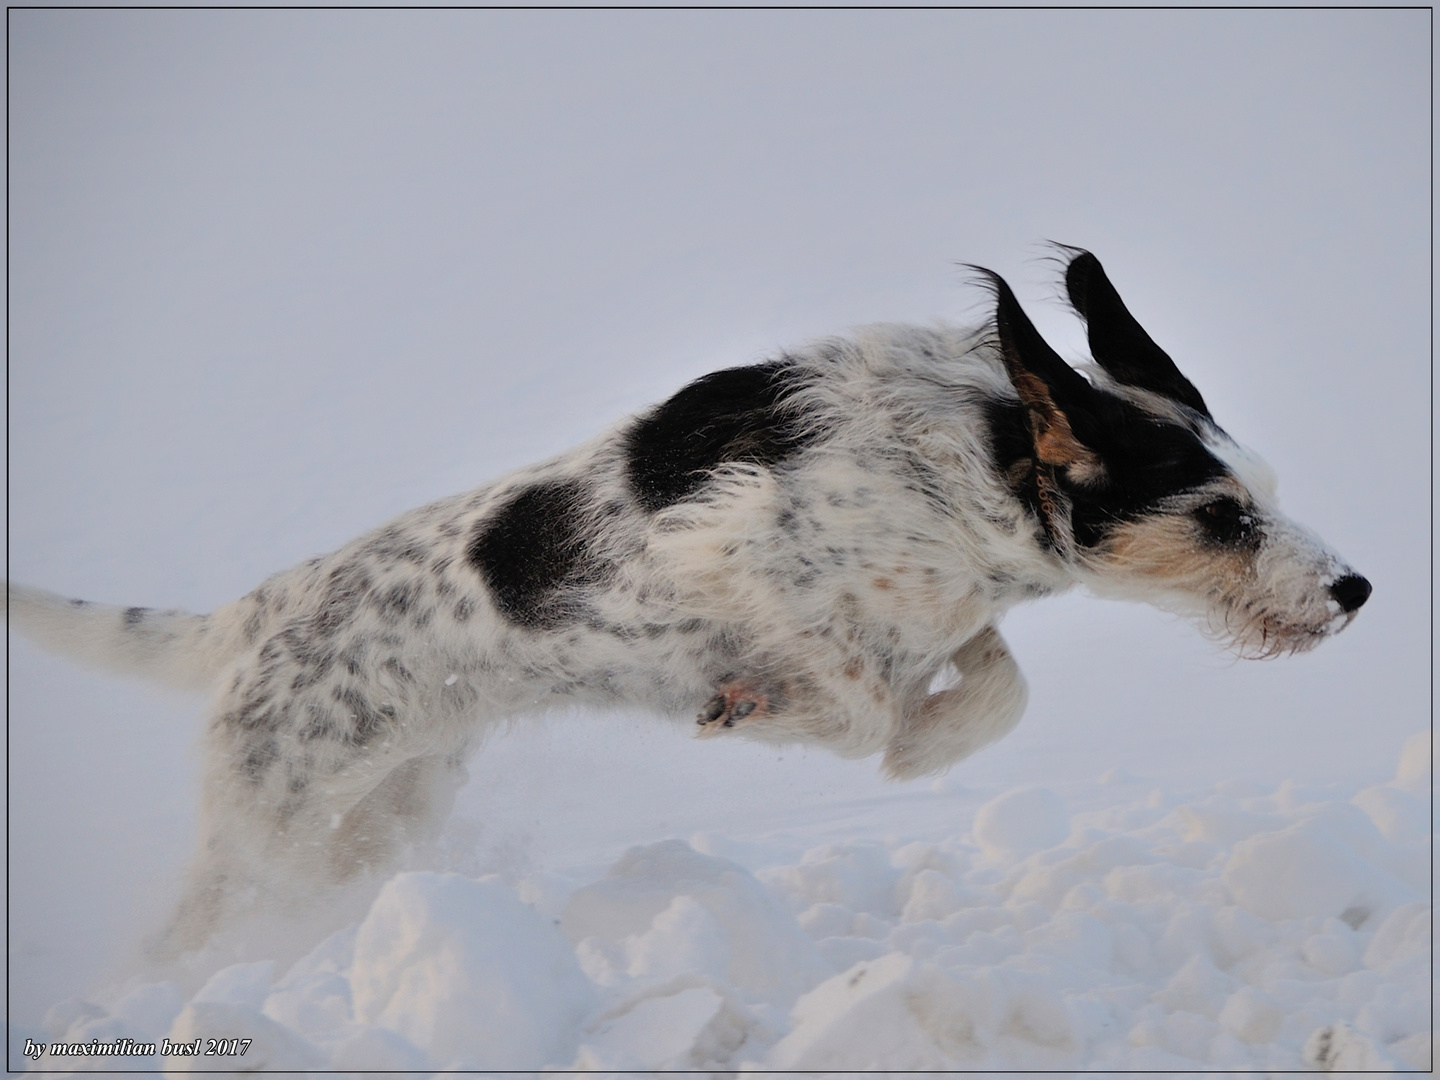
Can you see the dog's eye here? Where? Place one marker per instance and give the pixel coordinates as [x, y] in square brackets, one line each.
[1226, 521]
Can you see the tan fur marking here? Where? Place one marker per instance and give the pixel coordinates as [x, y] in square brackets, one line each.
[1055, 443]
[1167, 548]
[1019, 472]
[1221, 585]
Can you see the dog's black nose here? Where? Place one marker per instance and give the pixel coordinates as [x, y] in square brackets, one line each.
[1350, 592]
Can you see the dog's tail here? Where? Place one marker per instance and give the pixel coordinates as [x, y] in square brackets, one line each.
[171, 647]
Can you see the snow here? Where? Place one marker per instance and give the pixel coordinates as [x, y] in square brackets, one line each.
[1021, 822]
[1235, 929]
[469, 972]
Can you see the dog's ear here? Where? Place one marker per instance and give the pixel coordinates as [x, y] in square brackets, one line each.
[1118, 343]
[1050, 389]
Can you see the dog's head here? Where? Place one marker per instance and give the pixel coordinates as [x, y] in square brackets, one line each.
[1141, 491]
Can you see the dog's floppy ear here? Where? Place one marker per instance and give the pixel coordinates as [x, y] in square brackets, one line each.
[1118, 343]
[1049, 388]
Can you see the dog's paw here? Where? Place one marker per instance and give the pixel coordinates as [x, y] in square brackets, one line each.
[907, 761]
[736, 703]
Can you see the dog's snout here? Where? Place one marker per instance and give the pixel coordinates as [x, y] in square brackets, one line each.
[1350, 592]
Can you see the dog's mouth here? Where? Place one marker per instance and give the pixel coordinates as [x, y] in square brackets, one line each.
[1252, 631]
[1263, 636]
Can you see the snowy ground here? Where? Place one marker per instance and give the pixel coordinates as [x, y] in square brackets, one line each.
[1110, 925]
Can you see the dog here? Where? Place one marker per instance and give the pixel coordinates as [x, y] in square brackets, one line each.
[795, 548]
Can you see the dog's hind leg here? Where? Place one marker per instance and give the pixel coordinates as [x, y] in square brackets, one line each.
[223, 880]
[245, 865]
[405, 810]
[944, 727]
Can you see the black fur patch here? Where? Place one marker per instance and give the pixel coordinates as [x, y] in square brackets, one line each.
[1146, 460]
[1012, 449]
[736, 415]
[1009, 434]
[533, 552]
[1118, 343]
[1225, 523]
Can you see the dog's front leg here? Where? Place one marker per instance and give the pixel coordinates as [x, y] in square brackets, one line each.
[942, 728]
[840, 706]
[740, 701]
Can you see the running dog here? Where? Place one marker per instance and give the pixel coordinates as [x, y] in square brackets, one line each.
[795, 548]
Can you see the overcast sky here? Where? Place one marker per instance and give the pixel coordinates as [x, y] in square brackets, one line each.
[277, 276]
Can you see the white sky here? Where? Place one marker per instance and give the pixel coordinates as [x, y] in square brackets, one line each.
[276, 276]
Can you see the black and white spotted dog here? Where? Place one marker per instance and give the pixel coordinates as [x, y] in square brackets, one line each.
[795, 549]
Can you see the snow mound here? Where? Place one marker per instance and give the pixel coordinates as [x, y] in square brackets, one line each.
[1235, 929]
[1021, 822]
[467, 972]
[665, 910]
